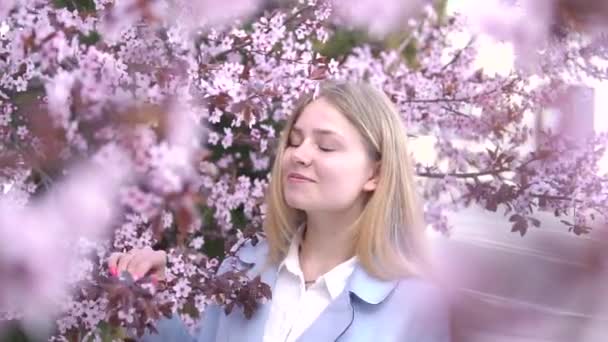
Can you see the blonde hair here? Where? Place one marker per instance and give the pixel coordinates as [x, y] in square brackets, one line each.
[389, 238]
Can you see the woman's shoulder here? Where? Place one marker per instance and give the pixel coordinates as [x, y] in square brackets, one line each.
[420, 289]
[420, 286]
[246, 254]
[420, 310]
[416, 308]
[423, 296]
[253, 248]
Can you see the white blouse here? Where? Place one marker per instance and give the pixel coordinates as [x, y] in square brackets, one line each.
[294, 307]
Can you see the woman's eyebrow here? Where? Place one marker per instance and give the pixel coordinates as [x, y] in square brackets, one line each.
[317, 131]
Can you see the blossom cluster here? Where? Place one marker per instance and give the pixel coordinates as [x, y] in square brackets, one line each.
[174, 108]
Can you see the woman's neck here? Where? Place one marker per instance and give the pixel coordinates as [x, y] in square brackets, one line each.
[326, 244]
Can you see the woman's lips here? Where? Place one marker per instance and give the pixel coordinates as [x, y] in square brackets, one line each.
[297, 178]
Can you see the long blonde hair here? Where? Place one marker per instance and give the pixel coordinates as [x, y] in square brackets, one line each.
[389, 240]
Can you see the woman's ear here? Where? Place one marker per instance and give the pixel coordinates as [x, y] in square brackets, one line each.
[372, 182]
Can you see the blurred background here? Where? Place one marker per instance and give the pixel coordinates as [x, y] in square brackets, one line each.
[549, 285]
[542, 284]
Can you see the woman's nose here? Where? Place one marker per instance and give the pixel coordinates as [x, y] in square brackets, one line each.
[301, 154]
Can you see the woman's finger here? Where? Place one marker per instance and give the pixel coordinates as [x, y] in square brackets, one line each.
[140, 264]
[140, 267]
[124, 260]
[160, 262]
[160, 258]
[113, 262]
[149, 261]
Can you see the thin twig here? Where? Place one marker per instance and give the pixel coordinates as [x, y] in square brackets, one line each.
[458, 54]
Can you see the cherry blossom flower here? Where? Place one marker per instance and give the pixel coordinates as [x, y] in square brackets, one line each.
[183, 101]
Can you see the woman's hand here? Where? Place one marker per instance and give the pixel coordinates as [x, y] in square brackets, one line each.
[140, 263]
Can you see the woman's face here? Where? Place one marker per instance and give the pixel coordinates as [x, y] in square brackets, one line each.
[325, 165]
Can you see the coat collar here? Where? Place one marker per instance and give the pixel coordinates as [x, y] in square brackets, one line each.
[339, 315]
[365, 286]
[368, 288]
[257, 256]
[333, 322]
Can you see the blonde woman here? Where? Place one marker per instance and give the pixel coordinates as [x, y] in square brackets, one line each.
[345, 245]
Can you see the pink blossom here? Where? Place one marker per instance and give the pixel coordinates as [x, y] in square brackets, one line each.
[182, 103]
[58, 94]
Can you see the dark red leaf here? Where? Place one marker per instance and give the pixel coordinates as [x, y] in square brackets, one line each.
[520, 226]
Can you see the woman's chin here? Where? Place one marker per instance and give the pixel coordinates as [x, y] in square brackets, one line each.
[298, 204]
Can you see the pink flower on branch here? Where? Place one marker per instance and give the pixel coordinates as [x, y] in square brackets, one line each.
[198, 107]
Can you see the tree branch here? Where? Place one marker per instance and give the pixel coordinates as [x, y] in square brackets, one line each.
[458, 54]
[249, 41]
[462, 175]
[461, 99]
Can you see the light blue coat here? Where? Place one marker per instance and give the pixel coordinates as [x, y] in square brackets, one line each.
[367, 310]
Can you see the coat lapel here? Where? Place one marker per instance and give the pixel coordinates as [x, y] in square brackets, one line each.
[340, 314]
[332, 322]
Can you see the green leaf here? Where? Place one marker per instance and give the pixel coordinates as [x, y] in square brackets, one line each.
[341, 43]
[110, 333]
[90, 39]
[238, 217]
[410, 53]
[441, 6]
[80, 5]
